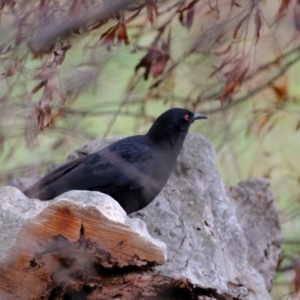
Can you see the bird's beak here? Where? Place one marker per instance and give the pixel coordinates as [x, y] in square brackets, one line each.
[197, 116]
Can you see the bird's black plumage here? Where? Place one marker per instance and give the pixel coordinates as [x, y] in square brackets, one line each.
[132, 170]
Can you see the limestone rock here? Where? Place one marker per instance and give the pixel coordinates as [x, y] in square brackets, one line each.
[257, 214]
[207, 232]
[199, 223]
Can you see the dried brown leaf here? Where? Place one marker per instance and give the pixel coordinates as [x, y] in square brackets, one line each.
[296, 281]
[263, 120]
[190, 17]
[280, 91]
[238, 27]
[282, 9]
[155, 60]
[158, 67]
[122, 34]
[239, 70]
[181, 18]
[257, 25]
[38, 87]
[42, 115]
[60, 54]
[146, 61]
[189, 12]
[151, 10]
[228, 90]
[190, 5]
[297, 126]
[109, 31]
[108, 37]
[234, 3]
[4, 3]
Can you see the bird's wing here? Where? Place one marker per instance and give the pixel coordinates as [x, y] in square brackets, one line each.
[121, 165]
[125, 165]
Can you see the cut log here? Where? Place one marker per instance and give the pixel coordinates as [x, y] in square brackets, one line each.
[80, 235]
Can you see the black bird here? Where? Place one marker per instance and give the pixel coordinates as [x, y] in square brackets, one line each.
[132, 170]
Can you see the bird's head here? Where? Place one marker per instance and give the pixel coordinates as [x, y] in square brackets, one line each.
[173, 125]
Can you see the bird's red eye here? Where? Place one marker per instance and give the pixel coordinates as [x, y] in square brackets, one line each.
[186, 117]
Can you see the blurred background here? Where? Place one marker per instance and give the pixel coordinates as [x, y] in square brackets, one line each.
[74, 71]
